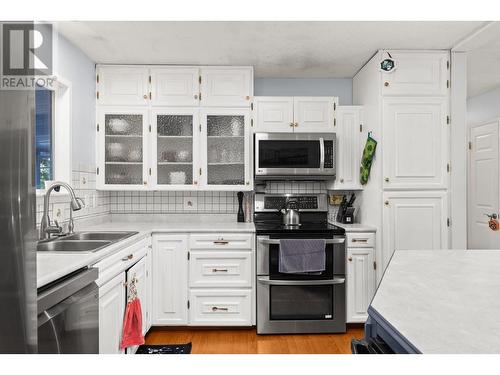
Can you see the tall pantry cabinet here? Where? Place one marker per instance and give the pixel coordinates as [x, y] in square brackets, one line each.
[408, 112]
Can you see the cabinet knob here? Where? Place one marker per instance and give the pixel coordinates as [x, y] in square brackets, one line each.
[248, 182]
[145, 182]
[296, 124]
[386, 179]
[145, 96]
[386, 84]
[386, 203]
[292, 124]
[196, 96]
[341, 180]
[247, 97]
[349, 259]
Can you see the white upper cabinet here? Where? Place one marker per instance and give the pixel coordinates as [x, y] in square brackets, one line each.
[122, 85]
[348, 131]
[414, 221]
[226, 149]
[175, 144]
[175, 86]
[273, 114]
[417, 74]
[415, 144]
[314, 114]
[295, 114]
[122, 145]
[226, 86]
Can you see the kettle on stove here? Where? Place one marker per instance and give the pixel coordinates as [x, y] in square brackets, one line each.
[290, 215]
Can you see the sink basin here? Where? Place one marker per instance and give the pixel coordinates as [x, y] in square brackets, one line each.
[71, 246]
[98, 236]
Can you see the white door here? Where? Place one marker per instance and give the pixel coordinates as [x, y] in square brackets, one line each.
[273, 114]
[170, 270]
[122, 144]
[225, 134]
[175, 86]
[226, 87]
[122, 85]
[415, 144]
[175, 148]
[111, 314]
[314, 114]
[360, 283]
[417, 74]
[414, 221]
[483, 185]
[348, 148]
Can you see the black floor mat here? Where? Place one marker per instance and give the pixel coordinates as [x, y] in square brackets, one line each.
[165, 349]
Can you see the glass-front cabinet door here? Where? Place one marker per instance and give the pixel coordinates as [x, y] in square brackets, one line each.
[122, 159]
[175, 144]
[226, 154]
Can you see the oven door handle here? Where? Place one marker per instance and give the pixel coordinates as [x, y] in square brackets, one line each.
[265, 280]
[266, 241]
[322, 153]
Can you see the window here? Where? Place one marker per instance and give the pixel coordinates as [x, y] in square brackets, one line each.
[44, 135]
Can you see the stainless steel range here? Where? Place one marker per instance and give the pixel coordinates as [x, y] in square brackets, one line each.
[298, 302]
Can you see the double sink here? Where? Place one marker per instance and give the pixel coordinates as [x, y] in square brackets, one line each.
[82, 242]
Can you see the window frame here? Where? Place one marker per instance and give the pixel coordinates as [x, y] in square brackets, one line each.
[61, 133]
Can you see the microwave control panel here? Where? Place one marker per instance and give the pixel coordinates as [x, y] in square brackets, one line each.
[329, 154]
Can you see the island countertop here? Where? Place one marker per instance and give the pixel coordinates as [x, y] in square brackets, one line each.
[443, 301]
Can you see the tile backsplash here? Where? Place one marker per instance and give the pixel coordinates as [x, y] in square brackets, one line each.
[97, 203]
[100, 203]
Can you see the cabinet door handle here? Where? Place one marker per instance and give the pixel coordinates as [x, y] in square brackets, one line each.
[349, 259]
[128, 257]
[386, 84]
[195, 96]
[219, 270]
[292, 124]
[145, 96]
[359, 240]
[215, 308]
[221, 242]
[386, 179]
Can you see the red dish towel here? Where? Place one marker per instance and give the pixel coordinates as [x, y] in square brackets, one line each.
[132, 325]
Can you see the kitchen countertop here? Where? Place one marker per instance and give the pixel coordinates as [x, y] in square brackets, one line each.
[356, 227]
[443, 301]
[52, 266]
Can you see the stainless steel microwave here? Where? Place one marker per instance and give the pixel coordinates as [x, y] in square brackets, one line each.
[295, 156]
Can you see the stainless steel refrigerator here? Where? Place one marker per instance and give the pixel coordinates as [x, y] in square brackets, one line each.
[18, 309]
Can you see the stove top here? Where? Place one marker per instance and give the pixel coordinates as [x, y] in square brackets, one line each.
[270, 228]
[313, 210]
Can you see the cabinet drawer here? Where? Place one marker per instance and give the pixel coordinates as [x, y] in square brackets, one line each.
[220, 307]
[221, 241]
[360, 240]
[220, 269]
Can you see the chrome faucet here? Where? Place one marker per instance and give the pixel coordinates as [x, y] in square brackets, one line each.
[46, 229]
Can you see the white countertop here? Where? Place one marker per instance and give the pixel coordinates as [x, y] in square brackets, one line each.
[356, 227]
[52, 266]
[443, 301]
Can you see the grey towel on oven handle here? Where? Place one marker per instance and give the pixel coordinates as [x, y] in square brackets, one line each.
[302, 255]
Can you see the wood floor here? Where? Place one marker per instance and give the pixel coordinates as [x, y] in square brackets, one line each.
[246, 341]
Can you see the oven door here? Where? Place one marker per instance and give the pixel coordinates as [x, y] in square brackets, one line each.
[300, 306]
[281, 155]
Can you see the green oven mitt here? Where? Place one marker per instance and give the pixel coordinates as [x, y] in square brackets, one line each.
[367, 158]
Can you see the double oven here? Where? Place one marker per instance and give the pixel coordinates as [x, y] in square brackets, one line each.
[299, 303]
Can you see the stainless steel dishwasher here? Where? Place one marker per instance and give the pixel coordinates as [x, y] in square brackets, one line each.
[68, 315]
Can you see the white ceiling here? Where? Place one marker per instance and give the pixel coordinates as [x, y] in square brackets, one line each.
[278, 49]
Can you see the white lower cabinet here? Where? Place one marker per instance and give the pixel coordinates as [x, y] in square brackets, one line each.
[220, 307]
[414, 221]
[111, 311]
[170, 279]
[360, 282]
[138, 272]
[203, 279]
